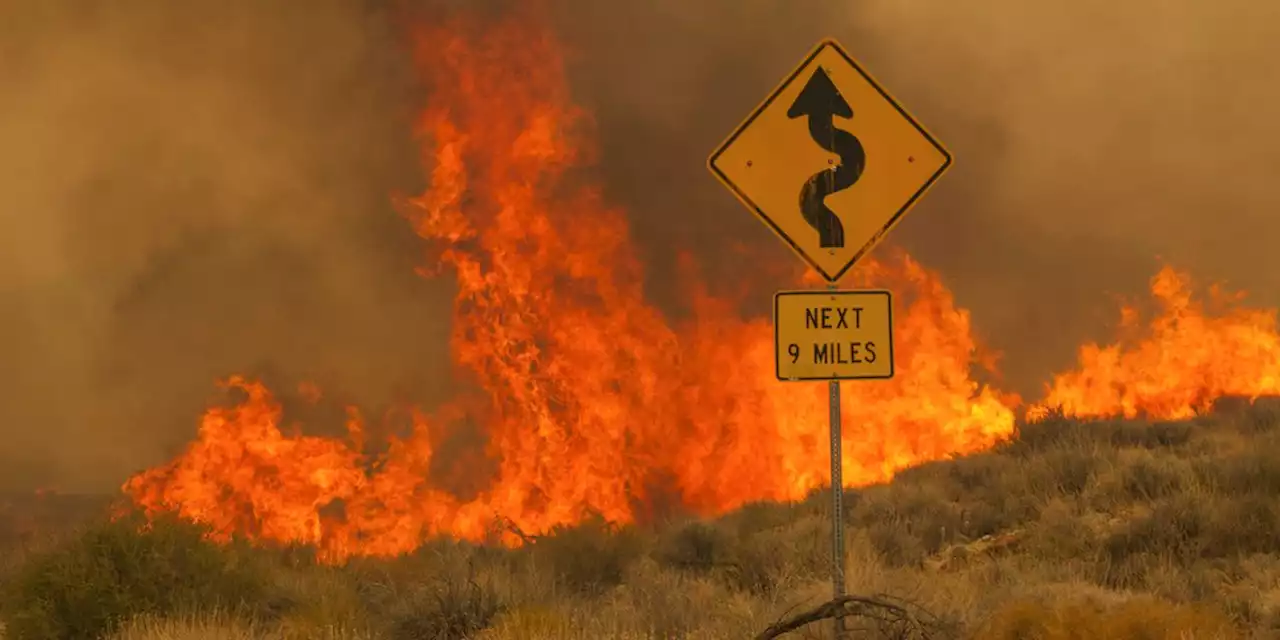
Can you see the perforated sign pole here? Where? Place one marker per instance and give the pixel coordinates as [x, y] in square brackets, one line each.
[837, 497]
[831, 335]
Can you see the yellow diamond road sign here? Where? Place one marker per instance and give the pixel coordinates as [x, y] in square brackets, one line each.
[833, 335]
[829, 161]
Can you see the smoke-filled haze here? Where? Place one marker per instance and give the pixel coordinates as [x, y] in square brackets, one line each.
[192, 190]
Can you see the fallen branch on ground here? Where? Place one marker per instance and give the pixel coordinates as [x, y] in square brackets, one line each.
[894, 621]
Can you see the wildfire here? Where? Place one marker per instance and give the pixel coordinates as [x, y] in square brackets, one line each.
[1188, 356]
[592, 400]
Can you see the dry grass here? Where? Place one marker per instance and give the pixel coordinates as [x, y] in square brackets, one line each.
[1111, 529]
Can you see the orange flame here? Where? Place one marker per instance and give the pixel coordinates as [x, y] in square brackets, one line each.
[592, 400]
[1191, 356]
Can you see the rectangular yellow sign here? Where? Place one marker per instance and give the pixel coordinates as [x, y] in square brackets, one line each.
[833, 335]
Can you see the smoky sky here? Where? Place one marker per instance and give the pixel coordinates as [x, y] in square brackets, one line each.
[195, 189]
[1094, 141]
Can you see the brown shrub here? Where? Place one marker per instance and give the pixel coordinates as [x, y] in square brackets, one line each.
[1148, 477]
[1139, 619]
[591, 557]
[1262, 416]
[696, 546]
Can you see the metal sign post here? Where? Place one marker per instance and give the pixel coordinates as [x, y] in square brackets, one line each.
[837, 501]
[834, 335]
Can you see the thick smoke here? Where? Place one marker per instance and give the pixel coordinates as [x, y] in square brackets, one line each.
[1093, 139]
[193, 189]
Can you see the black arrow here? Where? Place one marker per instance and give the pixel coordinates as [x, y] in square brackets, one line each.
[821, 101]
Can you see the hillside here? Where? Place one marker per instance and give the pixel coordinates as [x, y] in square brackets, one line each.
[1117, 529]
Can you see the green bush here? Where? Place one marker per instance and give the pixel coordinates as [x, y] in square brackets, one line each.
[87, 587]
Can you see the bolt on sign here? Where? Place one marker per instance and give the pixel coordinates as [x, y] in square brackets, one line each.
[833, 335]
[829, 161]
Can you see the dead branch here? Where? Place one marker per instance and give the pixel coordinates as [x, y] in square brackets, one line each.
[893, 621]
[512, 527]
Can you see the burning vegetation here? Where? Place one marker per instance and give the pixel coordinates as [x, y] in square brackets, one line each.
[596, 403]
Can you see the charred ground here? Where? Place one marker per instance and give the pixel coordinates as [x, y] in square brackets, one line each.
[1114, 528]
